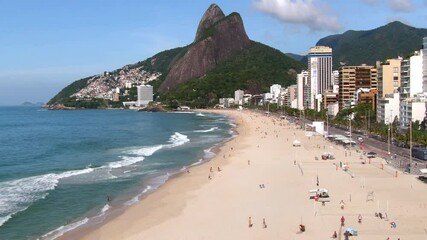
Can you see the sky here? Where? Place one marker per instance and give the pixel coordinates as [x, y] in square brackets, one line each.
[47, 44]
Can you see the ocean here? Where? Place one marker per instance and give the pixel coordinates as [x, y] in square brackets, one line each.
[60, 170]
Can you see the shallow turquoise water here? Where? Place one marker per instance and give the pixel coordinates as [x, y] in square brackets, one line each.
[58, 167]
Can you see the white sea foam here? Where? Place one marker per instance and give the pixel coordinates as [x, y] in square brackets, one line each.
[17, 195]
[207, 130]
[63, 229]
[105, 209]
[4, 219]
[200, 115]
[177, 139]
[136, 198]
[145, 151]
[126, 161]
[208, 153]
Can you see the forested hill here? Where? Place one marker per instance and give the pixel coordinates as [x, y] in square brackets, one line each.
[389, 41]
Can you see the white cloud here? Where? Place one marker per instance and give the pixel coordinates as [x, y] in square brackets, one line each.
[401, 5]
[316, 17]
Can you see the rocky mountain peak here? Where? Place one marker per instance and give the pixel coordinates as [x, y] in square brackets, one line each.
[211, 16]
[218, 38]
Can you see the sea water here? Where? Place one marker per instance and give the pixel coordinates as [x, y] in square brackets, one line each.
[63, 169]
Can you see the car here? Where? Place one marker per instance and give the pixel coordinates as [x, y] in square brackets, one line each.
[360, 139]
[371, 154]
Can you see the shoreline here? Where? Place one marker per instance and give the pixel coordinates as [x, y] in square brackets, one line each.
[218, 208]
[89, 223]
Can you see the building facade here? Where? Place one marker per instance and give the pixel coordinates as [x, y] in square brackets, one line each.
[320, 74]
[389, 77]
[145, 94]
[388, 108]
[238, 97]
[425, 64]
[302, 85]
[351, 79]
[411, 75]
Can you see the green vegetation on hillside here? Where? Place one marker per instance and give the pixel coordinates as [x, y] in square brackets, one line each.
[253, 70]
[389, 41]
[64, 95]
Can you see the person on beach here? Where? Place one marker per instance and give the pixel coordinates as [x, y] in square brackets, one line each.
[342, 221]
[335, 235]
[250, 222]
[359, 218]
[342, 204]
[209, 177]
[219, 169]
[264, 225]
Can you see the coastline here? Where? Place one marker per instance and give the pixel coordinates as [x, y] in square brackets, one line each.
[81, 227]
[192, 206]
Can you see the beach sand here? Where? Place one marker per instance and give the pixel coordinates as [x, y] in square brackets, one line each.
[274, 186]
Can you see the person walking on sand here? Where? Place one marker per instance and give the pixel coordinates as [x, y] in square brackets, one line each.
[264, 225]
[342, 221]
[250, 222]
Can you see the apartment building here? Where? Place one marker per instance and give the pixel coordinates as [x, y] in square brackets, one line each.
[352, 78]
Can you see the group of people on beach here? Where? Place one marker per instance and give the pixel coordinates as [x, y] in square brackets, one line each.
[264, 224]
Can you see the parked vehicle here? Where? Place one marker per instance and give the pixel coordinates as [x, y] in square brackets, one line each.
[420, 153]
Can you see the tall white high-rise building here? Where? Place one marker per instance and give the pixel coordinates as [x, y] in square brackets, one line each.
[411, 80]
[238, 97]
[145, 94]
[302, 80]
[320, 74]
[412, 108]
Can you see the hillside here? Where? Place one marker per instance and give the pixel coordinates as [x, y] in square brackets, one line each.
[221, 60]
[253, 70]
[389, 41]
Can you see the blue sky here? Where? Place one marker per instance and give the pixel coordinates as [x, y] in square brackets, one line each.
[47, 44]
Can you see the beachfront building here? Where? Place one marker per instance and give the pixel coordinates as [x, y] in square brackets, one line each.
[425, 64]
[319, 75]
[388, 84]
[388, 77]
[412, 75]
[351, 79]
[238, 97]
[413, 102]
[145, 95]
[388, 108]
[289, 97]
[411, 110]
[275, 90]
[302, 81]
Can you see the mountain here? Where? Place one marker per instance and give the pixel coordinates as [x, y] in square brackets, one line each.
[389, 41]
[253, 70]
[220, 60]
[218, 38]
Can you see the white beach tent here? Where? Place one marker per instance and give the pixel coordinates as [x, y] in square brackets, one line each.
[423, 170]
[296, 143]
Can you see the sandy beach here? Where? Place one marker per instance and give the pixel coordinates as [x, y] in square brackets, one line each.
[264, 178]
